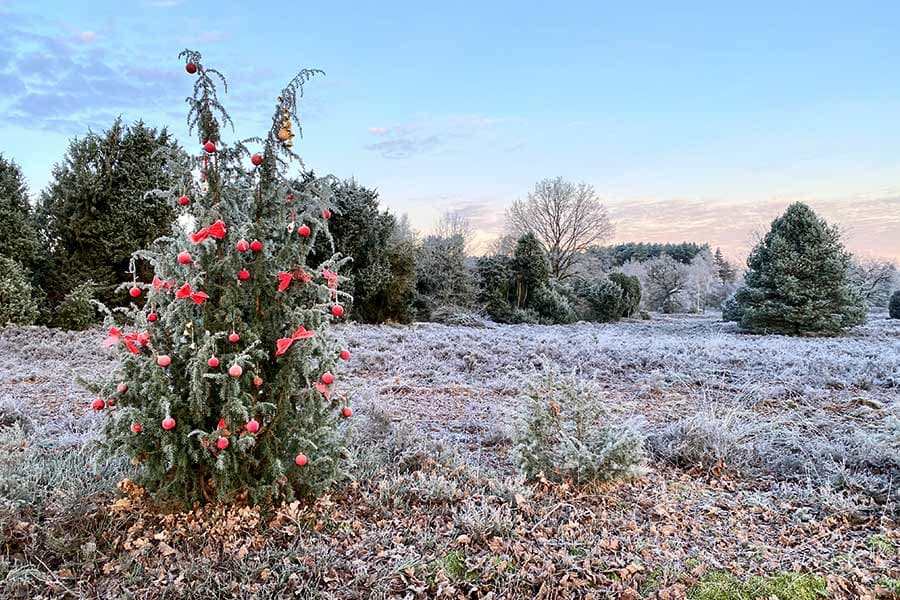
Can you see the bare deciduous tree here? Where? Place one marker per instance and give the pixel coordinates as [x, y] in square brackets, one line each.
[455, 223]
[873, 280]
[567, 218]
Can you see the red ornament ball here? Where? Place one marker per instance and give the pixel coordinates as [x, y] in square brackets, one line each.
[243, 274]
[184, 258]
[327, 378]
[289, 197]
[184, 201]
[242, 245]
[168, 423]
[122, 388]
[256, 246]
[209, 147]
[222, 443]
[163, 360]
[257, 381]
[191, 68]
[301, 460]
[304, 231]
[134, 292]
[345, 354]
[256, 159]
[152, 317]
[326, 213]
[337, 310]
[234, 338]
[136, 427]
[235, 371]
[213, 362]
[252, 426]
[346, 412]
[98, 404]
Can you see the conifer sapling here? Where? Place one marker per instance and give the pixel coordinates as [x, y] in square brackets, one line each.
[207, 310]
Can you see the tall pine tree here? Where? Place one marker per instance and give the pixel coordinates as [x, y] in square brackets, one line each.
[18, 237]
[796, 282]
[226, 388]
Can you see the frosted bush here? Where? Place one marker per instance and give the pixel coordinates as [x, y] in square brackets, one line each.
[565, 433]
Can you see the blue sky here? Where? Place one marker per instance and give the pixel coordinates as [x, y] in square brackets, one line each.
[692, 120]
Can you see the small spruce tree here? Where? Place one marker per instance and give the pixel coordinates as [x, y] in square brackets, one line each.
[225, 392]
[797, 279]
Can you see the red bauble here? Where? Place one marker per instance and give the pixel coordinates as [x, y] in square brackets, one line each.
[234, 338]
[337, 310]
[326, 213]
[243, 274]
[213, 362]
[235, 371]
[304, 231]
[345, 354]
[152, 317]
[136, 427]
[301, 460]
[184, 201]
[346, 412]
[111, 402]
[256, 159]
[121, 388]
[168, 423]
[289, 197]
[209, 147]
[252, 426]
[134, 292]
[327, 378]
[98, 404]
[256, 246]
[184, 258]
[242, 245]
[222, 443]
[257, 381]
[191, 68]
[163, 360]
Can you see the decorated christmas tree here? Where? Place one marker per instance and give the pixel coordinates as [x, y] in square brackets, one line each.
[225, 387]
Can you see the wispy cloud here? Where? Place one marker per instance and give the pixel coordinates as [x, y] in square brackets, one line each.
[425, 134]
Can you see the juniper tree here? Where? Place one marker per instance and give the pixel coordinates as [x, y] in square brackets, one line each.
[797, 279]
[225, 389]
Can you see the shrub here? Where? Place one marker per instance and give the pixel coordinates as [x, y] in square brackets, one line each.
[77, 311]
[601, 300]
[731, 310]
[894, 305]
[494, 277]
[552, 305]
[797, 282]
[563, 434]
[16, 302]
[442, 277]
[631, 292]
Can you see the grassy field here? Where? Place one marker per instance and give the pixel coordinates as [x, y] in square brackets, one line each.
[772, 470]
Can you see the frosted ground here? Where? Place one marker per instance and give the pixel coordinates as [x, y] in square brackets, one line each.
[766, 454]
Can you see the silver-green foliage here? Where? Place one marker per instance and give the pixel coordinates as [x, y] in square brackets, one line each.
[16, 302]
[565, 433]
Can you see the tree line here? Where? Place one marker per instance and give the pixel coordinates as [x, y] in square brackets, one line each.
[551, 266]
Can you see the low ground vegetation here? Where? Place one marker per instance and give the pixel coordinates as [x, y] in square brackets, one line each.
[769, 464]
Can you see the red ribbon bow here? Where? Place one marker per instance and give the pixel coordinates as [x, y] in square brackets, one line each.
[331, 278]
[284, 279]
[185, 292]
[283, 344]
[323, 389]
[159, 284]
[216, 230]
[131, 340]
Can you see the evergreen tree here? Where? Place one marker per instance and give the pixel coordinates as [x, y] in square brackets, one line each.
[382, 274]
[442, 277]
[530, 266]
[98, 208]
[226, 385]
[18, 237]
[724, 270]
[894, 305]
[495, 282]
[16, 302]
[796, 281]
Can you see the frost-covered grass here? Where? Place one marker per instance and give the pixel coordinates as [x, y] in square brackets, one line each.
[768, 455]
